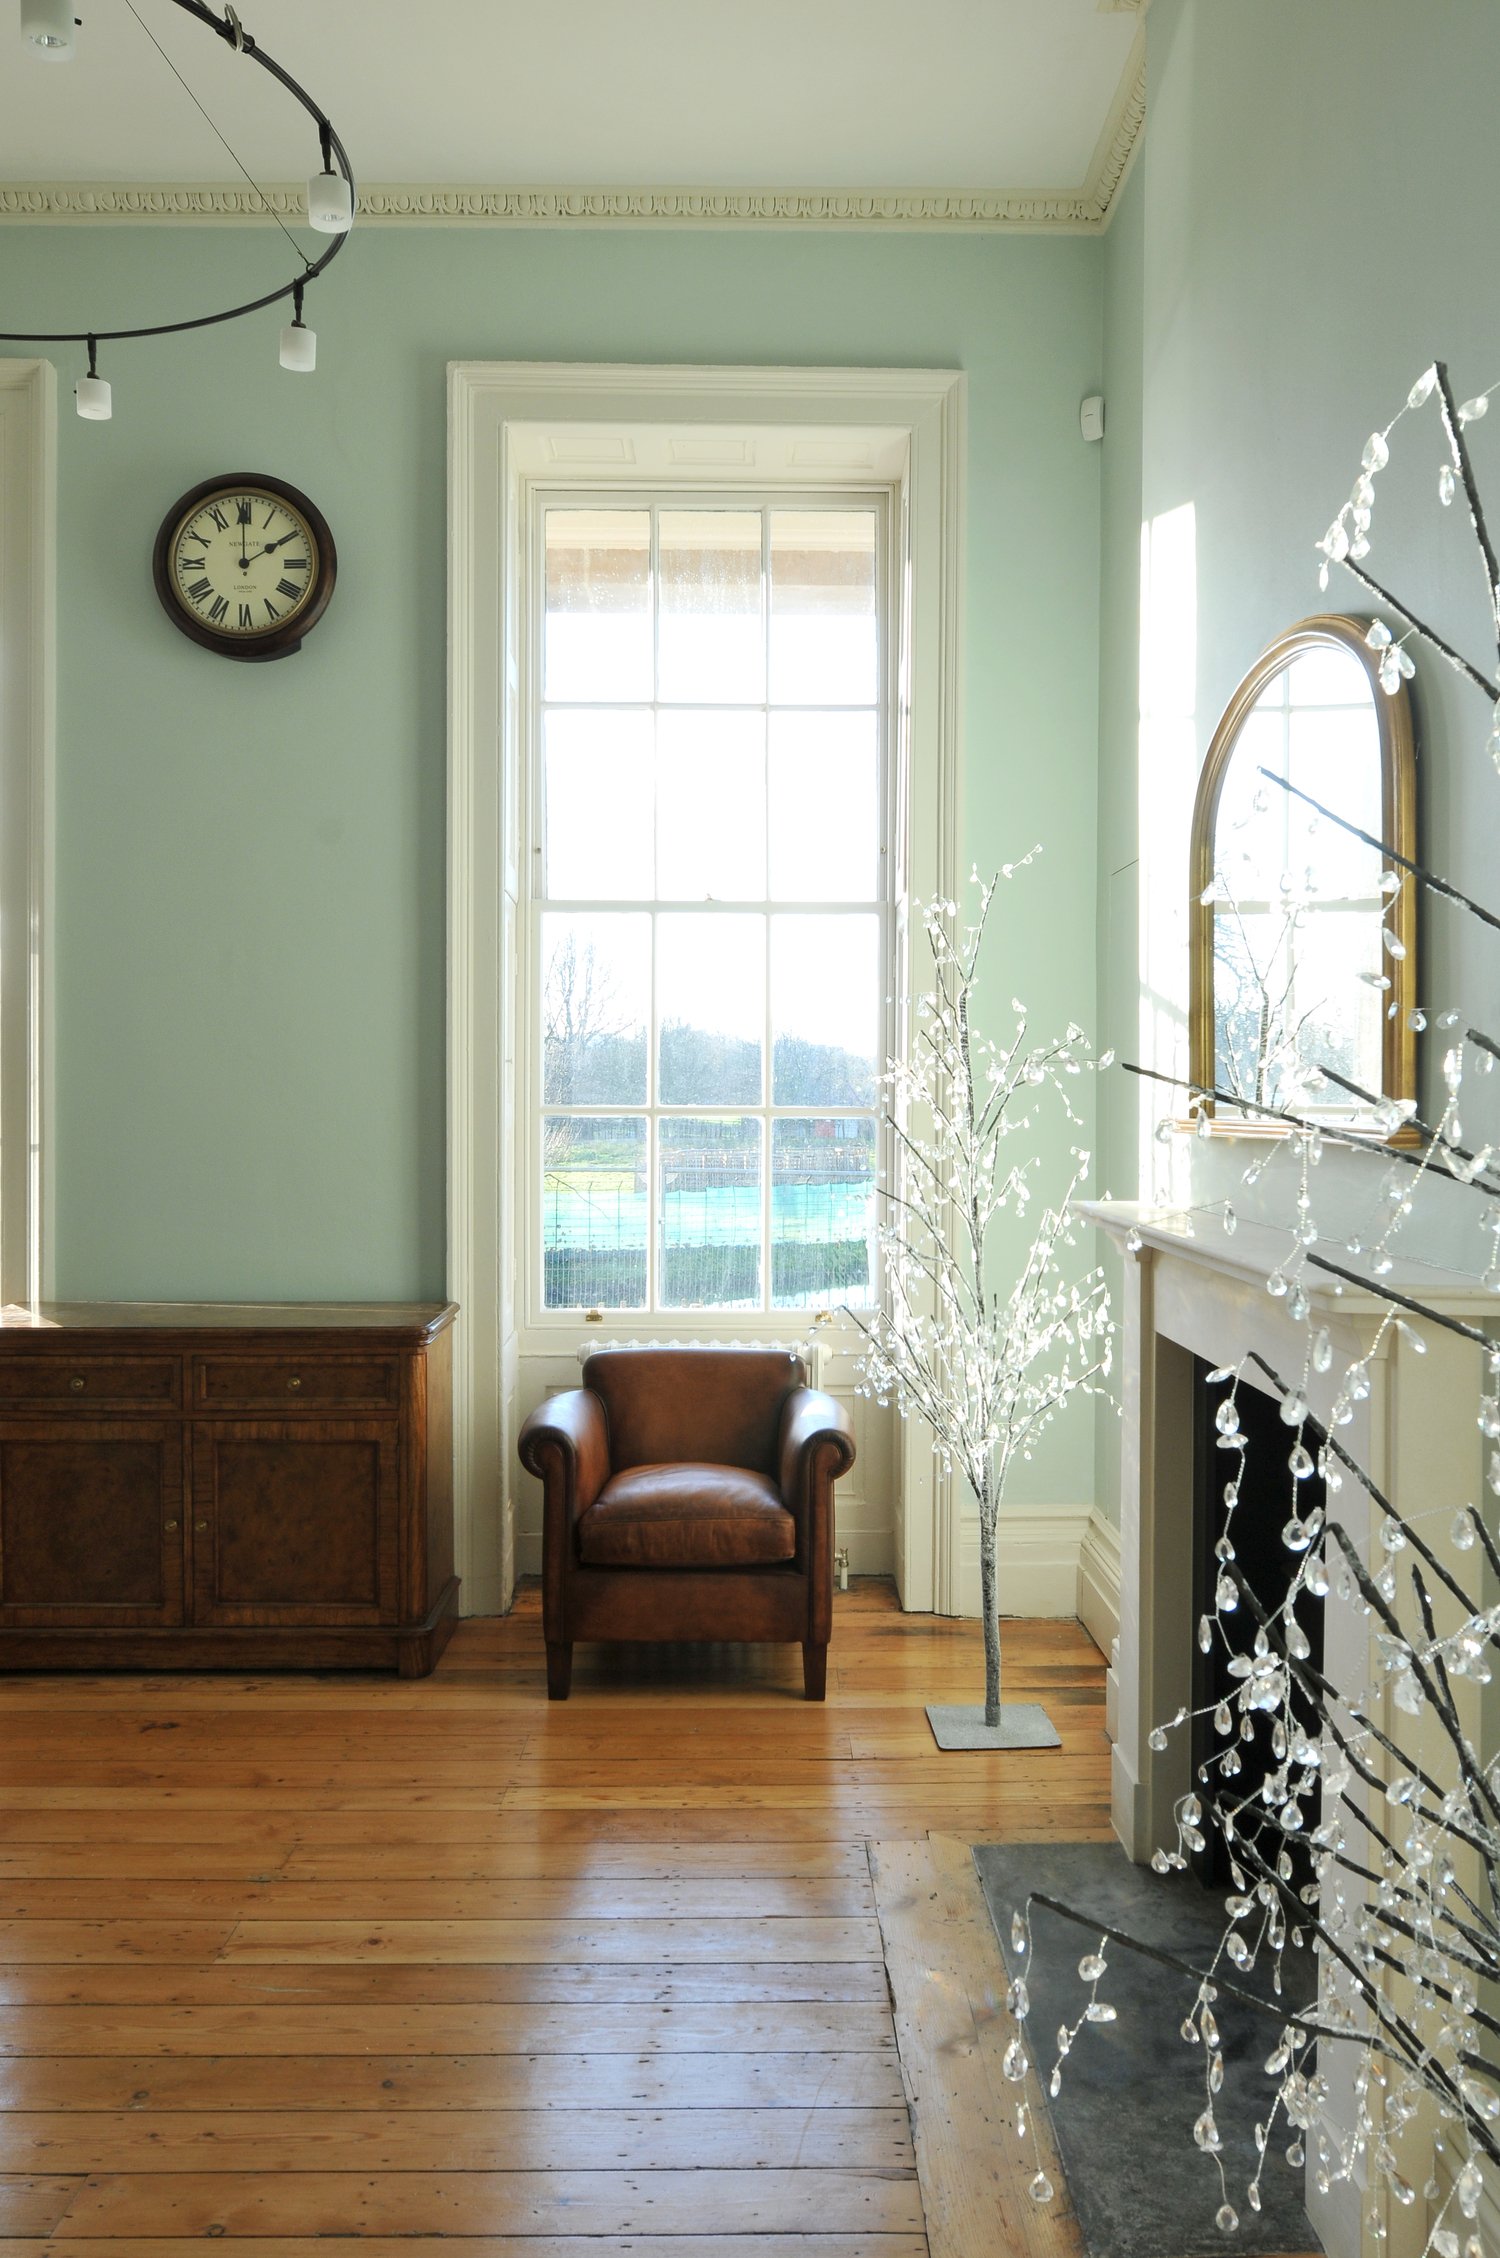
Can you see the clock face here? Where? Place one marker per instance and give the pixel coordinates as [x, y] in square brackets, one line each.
[245, 565]
[243, 562]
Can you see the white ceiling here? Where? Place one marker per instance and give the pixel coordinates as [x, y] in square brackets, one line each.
[984, 96]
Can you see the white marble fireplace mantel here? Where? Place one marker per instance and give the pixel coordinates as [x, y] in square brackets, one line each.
[1194, 1289]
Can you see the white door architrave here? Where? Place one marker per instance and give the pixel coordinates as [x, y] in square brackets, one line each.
[28, 636]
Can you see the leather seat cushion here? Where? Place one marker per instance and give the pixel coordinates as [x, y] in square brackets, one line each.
[687, 1516]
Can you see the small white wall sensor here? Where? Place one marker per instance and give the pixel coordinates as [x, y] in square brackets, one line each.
[1091, 416]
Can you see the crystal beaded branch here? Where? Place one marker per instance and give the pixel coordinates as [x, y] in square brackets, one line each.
[1399, 1810]
[986, 1364]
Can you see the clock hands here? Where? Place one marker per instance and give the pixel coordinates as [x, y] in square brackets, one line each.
[279, 543]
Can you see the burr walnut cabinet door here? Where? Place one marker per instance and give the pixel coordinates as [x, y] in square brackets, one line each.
[296, 1522]
[91, 1524]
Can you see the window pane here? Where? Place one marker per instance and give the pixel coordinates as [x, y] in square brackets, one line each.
[599, 805]
[711, 806]
[1251, 977]
[710, 1213]
[822, 1212]
[1337, 1016]
[712, 639]
[825, 1010]
[824, 647]
[1288, 998]
[598, 621]
[1328, 677]
[594, 1212]
[824, 807]
[1251, 845]
[711, 988]
[596, 993]
[1336, 757]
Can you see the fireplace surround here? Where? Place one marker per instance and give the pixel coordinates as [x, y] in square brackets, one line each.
[1194, 1291]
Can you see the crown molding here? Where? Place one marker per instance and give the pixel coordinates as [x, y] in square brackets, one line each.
[957, 211]
[1123, 127]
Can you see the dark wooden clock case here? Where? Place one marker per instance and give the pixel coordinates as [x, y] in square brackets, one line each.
[282, 641]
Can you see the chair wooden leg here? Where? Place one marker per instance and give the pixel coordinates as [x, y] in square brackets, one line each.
[559, 1668]
[814, 1671]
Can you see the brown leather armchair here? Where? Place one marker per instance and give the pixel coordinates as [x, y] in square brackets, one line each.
[688, 1494]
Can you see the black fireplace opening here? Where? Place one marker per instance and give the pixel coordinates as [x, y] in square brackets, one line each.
[1266, 1503]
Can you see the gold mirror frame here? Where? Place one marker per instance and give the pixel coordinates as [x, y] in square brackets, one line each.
[1398, 767]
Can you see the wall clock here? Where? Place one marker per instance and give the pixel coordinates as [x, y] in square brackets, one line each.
[245, 565]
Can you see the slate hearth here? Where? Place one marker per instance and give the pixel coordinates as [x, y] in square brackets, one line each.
[1131, 2089]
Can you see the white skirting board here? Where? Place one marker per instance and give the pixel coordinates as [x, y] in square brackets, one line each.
[1099, 1582]
[871, 1552]
[1053, 1561]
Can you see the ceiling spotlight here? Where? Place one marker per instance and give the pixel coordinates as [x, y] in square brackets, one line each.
[299, 344]
[92, 393]
[49, 29]
[330, 199]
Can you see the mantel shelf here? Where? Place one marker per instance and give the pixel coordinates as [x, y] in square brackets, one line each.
[1254, 1250]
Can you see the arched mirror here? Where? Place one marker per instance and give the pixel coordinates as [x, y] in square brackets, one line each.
[1303, 941]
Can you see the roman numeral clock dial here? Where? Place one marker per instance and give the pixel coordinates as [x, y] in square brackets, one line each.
[245, 565]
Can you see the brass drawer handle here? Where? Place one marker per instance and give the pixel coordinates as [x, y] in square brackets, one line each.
[294, 1383]
[169, 1524]
[200, 1525]
[77, 1383]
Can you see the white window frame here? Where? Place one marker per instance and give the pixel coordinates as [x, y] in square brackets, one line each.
[541, 1328]
[28, 640]
[512, 424]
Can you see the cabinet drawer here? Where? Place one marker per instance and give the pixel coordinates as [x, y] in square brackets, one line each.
[149, 1380]
[296, 1383]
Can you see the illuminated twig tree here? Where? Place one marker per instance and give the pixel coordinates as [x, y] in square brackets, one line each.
[986, 1356]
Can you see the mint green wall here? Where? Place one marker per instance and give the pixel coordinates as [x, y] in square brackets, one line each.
[1306, 227]
[250, 885]
[1298, 277]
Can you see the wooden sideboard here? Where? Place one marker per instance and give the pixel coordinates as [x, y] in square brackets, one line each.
[226, 1487]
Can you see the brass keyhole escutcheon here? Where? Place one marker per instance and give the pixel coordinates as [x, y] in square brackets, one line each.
[77, 1383]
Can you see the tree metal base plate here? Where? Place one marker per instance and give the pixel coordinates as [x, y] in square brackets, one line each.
[1023, 1724]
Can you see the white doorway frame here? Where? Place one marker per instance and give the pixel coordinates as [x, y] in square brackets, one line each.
[28, 676]
[506, 421]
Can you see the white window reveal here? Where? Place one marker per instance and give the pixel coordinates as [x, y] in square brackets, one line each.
[710, 911]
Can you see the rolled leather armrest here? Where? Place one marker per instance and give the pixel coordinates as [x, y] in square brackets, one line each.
[565, 1443]
[816, 1431]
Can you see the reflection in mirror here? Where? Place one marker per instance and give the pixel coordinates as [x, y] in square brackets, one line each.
[1303, 995]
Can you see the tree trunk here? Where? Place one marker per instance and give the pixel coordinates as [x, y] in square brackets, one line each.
[989, 1504]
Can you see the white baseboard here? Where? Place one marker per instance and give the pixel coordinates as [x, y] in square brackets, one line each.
[484, 1595]
[1036, 1559]
[871, 1553]
[1099, 1581]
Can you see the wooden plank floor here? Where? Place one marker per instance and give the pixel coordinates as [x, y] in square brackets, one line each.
[294, 1958]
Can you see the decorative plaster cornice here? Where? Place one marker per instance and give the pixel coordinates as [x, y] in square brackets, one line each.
[1122, 130]
[121, 203]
